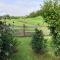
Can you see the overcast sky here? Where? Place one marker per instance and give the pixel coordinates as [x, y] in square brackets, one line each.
[19, 7]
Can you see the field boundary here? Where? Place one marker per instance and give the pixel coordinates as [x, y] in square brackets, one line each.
[29, 30]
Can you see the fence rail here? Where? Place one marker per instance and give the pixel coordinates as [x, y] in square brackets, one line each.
[29, 30]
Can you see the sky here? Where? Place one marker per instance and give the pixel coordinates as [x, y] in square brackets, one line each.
[19, 7]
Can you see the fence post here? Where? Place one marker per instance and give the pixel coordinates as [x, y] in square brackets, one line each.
[23, 29]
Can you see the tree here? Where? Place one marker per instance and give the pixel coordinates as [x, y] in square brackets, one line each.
[34, 14]
[38, 42]
[6, 17]
[51, 13]
[7, 42]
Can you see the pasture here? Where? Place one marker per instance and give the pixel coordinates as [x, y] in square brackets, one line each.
[27, 21]
[30, 30]
[25, 51]
[30, 25]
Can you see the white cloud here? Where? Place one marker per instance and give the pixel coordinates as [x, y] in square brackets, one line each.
[18, 8]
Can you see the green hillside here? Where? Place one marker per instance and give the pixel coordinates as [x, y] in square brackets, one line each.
[27, 21]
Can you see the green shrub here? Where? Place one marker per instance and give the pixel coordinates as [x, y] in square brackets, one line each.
[56, 43]
[51, 13]
[7, 43]
[38, 42]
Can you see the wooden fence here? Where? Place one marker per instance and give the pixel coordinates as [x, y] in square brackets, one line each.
[29, 30]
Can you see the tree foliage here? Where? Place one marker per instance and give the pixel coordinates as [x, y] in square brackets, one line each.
[34, 14]
[38, 42]
[7, 42]
[51, 13]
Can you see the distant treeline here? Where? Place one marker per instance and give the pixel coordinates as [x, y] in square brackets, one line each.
[34, 14]
[8, 17]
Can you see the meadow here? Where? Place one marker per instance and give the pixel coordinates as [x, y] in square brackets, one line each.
[25, 51]
[27, 21]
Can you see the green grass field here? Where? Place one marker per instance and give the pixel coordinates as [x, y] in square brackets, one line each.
[36, 21]
[25, 51]
[27, 21]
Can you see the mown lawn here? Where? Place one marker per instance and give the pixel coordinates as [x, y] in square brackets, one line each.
[25, 51]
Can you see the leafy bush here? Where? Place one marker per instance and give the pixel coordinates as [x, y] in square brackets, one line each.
[51, 13]
[38, 42]
[7, 43]
[56, 43]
